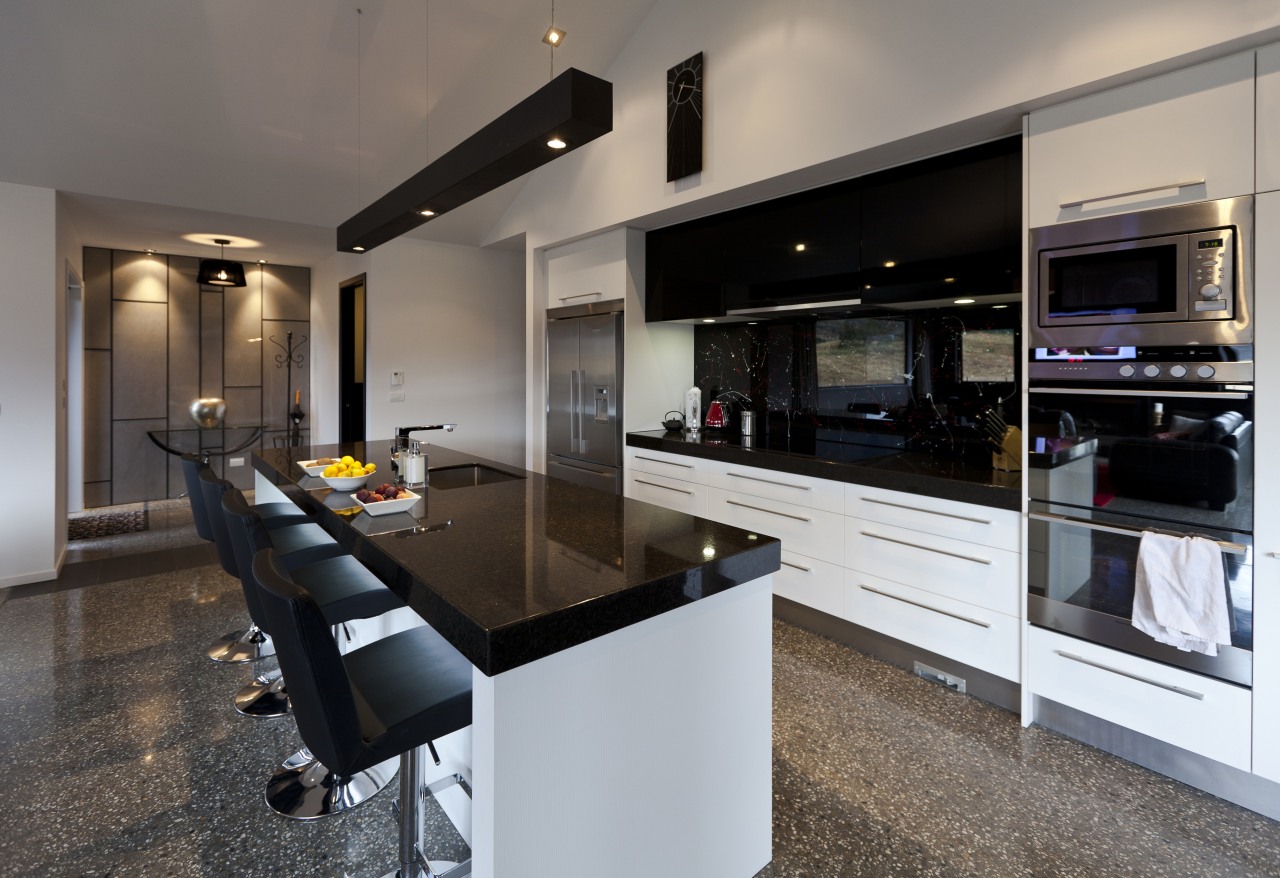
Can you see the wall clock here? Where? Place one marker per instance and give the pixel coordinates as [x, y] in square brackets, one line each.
[684, 118]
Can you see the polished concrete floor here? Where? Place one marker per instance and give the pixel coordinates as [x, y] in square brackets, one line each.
[123, 757]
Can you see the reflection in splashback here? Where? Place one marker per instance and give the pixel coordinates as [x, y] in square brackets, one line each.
[890, 379]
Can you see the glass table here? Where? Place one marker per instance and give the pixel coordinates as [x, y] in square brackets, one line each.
[206, 441]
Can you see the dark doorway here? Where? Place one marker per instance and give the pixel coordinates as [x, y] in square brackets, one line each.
[351, 352]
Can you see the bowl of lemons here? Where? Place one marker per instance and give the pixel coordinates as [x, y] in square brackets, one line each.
[347, 474]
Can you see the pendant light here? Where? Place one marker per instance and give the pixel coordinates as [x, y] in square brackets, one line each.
[571, 110]
[221, 272]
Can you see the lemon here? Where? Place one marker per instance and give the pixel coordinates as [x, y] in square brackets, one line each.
[355, 465]
[370, 467]
[348, 459]
[330, 471]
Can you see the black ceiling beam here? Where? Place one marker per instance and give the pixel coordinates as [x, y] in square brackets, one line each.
[575, 106]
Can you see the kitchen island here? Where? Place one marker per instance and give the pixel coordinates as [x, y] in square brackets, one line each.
[621, 653]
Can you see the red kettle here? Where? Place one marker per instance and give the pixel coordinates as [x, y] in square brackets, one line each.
[715, 416]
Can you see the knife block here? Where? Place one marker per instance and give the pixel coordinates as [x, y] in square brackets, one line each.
[1009, 457]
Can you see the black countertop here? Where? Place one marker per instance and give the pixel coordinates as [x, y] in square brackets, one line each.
[517, 570]
[879, 467]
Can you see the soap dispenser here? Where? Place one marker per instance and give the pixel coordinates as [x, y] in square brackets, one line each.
[415, 465]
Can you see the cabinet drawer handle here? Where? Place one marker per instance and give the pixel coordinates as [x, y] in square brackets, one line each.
[771, 482]
[667, 462]
[1183, 185]
[1084, 661]
[579, 296]
[770, 511]
[867, 533]
[930, 511]
[799, 567]
[668, 487]
[886, 594]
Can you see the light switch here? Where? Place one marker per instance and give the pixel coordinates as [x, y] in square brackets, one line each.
[397, 379]
[397, 396]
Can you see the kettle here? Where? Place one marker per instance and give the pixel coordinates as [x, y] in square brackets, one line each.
[673, 421]
[715, 418]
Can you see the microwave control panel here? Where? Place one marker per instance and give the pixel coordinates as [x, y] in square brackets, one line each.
[1211, 281]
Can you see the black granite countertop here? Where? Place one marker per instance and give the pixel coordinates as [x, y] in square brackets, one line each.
[912, 472]
[514, 571]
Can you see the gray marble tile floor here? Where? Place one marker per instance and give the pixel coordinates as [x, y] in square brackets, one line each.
[123, 756]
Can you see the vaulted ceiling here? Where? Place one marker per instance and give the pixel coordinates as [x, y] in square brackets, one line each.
[272, 120]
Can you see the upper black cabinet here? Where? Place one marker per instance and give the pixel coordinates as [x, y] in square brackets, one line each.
[953, 218]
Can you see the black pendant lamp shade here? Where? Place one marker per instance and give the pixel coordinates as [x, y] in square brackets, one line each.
[221, 272]
[575, 108]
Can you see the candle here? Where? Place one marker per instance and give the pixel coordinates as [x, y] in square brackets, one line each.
[297, 397]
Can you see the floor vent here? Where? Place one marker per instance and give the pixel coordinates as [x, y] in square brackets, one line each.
[955, 684]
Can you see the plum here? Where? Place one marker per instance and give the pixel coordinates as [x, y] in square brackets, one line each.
[363, 495]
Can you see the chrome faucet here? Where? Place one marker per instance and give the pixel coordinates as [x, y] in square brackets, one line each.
[401, 445]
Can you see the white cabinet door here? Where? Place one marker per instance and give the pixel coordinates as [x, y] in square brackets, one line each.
[808, 581]
[946, 518]
[591, 270]
[976, 636]
[687, 497]
[1266, 515]
[815, 533]
[661, 463]
[807, 491]
[1268, 146]
[1187, 710]
[1185, 136]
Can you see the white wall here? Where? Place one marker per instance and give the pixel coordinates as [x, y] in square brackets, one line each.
[813, 90]
[69, 254]
[452, 319]
[30, 291]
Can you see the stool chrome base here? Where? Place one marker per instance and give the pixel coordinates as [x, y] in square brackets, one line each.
[434, 869]
[304, 789]
[414, 789]
[238, 647]
[264, 698]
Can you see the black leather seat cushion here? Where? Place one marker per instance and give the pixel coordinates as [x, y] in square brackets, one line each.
[302, 544]
[345, 589]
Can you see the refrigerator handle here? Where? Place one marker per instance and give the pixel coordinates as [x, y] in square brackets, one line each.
[582, 412]
[573, 411]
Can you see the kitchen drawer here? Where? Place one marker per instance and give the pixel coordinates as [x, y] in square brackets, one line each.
[976, 636]
[975, 574]
[682, 496]
[946, 518]
[811, 582]
[804, 491]
[661, 463]
[1187, 710]
[812, 532]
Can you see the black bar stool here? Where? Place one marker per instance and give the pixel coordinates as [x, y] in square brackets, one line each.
[232, 647]
[304, 542]
[390, 698]
[343, 587]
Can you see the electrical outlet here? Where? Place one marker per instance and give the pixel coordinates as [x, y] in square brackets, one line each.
[952, 682]
[235, 461]
[397, 396]
[397, 378]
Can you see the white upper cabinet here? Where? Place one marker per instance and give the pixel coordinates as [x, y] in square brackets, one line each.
[1183, 137]
[591, 270]
[1269, 119]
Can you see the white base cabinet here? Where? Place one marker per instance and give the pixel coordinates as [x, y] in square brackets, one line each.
[1187, 710]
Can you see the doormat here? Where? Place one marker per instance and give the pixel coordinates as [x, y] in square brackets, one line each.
[106, 524]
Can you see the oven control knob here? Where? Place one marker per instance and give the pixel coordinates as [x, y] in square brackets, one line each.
[1126, 371]
[1210, 291]
[1151, 371]
[1178, 371]
[1205, 371]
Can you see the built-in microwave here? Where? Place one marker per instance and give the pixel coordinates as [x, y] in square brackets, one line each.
[1166, 277]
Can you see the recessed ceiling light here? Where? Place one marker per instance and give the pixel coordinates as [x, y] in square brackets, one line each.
[358, 248]
[998, 307]
[556, 143]
[948, 280]
[151, 252]
[890, 264]
[708, 320]
[262, 262]
[426, 212]
[965, 301]
[800, 248]
[553, 37]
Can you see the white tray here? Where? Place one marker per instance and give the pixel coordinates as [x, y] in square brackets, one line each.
[386, 507]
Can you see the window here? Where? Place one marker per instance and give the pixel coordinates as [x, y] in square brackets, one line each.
[861, 351]
[987, 355]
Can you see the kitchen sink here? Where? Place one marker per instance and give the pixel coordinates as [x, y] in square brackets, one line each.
[467, 475]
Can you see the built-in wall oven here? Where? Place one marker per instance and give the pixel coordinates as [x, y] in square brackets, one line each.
[1140, 425]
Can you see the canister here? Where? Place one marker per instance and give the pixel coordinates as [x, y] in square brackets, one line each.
[748, 423]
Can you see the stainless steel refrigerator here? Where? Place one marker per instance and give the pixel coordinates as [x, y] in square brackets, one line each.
[584, 405]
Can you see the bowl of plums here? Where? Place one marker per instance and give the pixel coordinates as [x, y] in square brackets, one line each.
[385, 499]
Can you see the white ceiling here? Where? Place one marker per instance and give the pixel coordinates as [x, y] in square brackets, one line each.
[269, 120]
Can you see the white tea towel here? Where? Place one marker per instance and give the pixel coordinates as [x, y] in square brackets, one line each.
[1180, 593]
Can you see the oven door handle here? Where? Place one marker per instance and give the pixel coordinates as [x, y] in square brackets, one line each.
[1227, 547]
[1118, 391]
